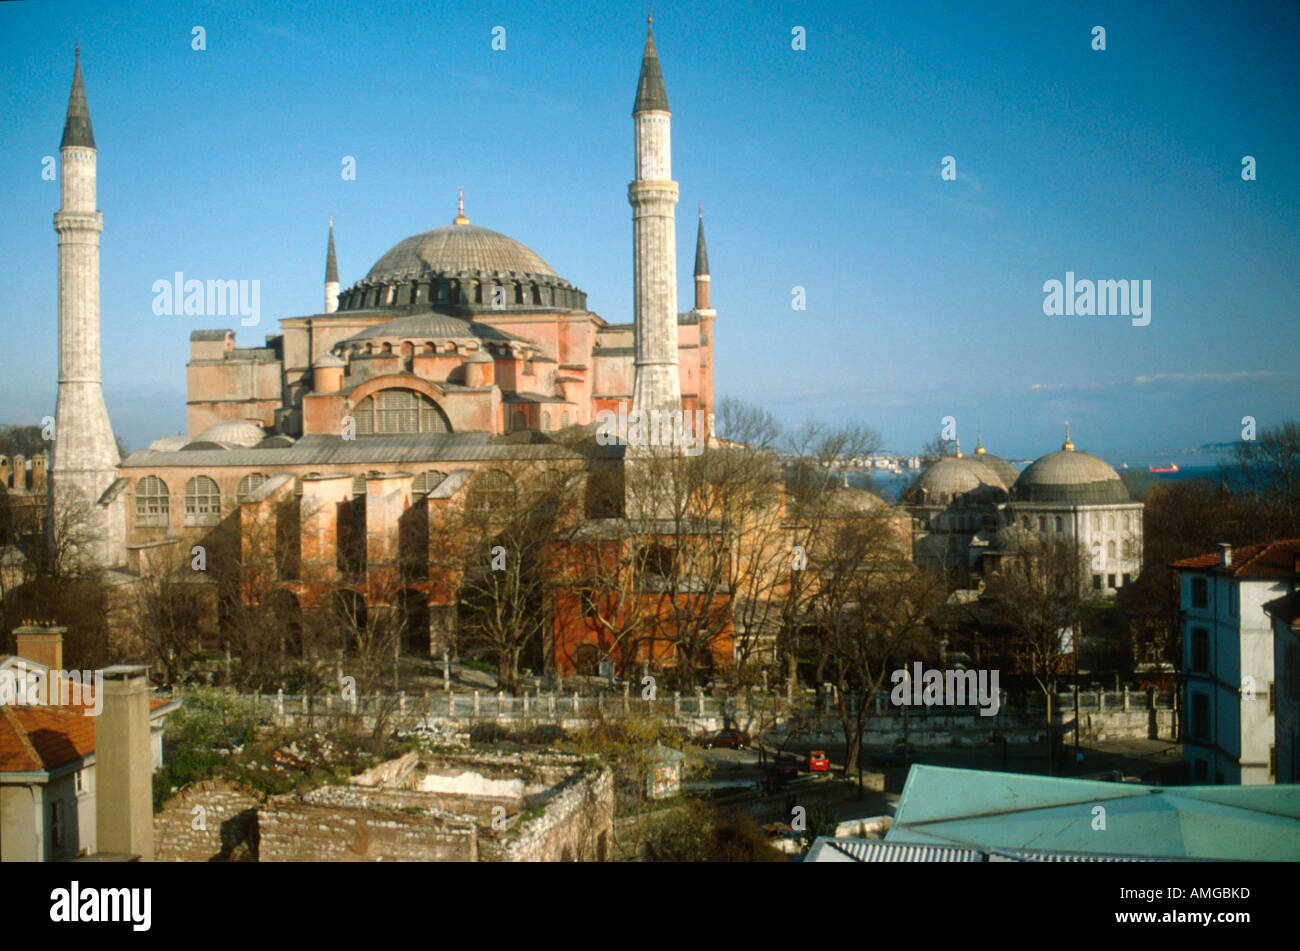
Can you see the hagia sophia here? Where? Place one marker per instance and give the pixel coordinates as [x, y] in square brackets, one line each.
[460, 348]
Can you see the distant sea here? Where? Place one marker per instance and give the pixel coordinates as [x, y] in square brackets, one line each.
[889, 485]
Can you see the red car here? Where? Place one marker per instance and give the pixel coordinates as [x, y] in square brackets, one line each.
[733, 739]
[818, 762]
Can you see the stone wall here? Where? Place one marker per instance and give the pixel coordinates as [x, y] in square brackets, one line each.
[227, 826]
[576, 825]
[351, 824]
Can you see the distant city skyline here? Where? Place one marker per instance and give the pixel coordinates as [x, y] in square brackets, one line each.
[818, 169]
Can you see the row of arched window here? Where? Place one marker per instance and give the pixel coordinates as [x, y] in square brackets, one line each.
[202, 497]
[451, 291]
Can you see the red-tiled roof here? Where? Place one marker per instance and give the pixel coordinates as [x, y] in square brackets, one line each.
[39, 738]
[1275, 559]
[36, 738]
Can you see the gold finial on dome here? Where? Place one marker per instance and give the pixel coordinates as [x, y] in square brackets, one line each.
[958, 447]
[979, 444]
[1067, 445]
[460, 218]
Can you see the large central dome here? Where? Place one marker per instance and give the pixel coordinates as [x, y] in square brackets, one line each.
[456, 249]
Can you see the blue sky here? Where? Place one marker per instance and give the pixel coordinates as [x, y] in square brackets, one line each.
[818, 168]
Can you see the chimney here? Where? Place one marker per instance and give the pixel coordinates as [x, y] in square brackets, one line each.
[124, 765]
[1225, 555]
[41, 643]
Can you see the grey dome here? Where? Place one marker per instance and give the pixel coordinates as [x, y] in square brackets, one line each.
[1004, 469]
[430, 326]
[955, 478]
[233, 432]
[168, 443]
[454, 249]
[1072, 477]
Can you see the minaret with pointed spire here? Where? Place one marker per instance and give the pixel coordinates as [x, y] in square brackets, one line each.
[653, 196]
[85, 452]
[701, 267]
[331, 274]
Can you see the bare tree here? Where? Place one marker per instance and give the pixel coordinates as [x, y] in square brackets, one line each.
[1037, 593]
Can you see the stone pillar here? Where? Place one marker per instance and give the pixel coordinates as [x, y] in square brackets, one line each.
[1126, 698]
[124, 765]
[476, 708]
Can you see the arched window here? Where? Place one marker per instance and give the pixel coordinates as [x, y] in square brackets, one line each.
[1110, 523]
[1110, 551]
[248, 485]
[427, 481]
[564, 419]
[546, 421]
[399, 411]
[492, 491]
[202, 501]
[1060, 526]
[152, 503]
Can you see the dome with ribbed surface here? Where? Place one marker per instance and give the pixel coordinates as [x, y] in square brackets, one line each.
[233, 432]
[432, 326]
[1072, 477]
[954, 479]
[455, 249]
[1007, 472]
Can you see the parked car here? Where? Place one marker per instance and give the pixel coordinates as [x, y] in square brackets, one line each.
[818, 762]
[787, 766]
[731, 739]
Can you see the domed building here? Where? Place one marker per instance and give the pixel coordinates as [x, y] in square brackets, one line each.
[1069, 494]
[971, 512]
[951, 502]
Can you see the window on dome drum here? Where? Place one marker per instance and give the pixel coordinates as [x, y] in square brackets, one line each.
[202, 502]
[152, 503]
[248, 485]
[427, 481]
[399, 411]
[1096, 522]
[1110, 523]
[1200, 593]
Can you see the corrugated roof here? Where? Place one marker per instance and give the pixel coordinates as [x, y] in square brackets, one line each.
[989, 810]
[827, 849]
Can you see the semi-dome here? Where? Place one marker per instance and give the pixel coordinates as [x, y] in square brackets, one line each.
[428, 326]
[168, 443]
[233, 432]
[455, 249]
[956, 478]
[1071, 477]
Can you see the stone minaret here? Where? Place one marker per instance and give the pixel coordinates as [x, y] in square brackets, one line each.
[331, 275]
[85, 452]
[653, 197]
[707, 315]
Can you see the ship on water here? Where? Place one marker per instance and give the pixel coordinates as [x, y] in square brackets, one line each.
[1172, 467]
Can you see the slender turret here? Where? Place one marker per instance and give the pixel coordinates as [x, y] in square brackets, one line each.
[653, 196]
[331, 274]
[85, 452]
